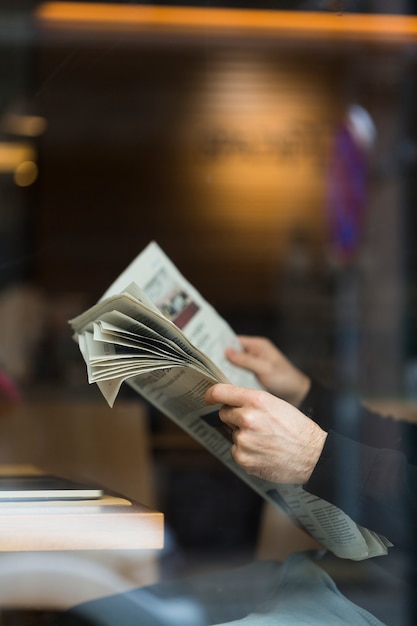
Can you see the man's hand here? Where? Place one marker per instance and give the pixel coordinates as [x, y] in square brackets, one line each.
[273, 370]
[272, 439]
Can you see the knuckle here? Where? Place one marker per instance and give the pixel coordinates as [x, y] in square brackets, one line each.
[259, 399]
[247, 419]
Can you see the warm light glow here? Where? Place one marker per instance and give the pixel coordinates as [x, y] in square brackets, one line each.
[253, 143]
[368, 27]
[25, 173]
[25, 125]
[12, 154]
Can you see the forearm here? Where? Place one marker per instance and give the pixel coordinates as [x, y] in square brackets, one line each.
[376, 487]
[344, 414]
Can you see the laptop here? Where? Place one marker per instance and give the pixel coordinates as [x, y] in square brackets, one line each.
[45, 487]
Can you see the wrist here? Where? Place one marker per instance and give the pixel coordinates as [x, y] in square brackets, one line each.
[301, 392]
[317, 444]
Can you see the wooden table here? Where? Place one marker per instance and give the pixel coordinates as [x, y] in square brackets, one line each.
[106, 523]
[54, 554]
[110, 523]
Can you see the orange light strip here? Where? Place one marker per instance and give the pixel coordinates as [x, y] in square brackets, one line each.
[367, 27]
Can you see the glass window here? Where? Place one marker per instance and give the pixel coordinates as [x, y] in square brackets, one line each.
[270, 150]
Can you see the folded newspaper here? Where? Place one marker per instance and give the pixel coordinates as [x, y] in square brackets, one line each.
[154, 331]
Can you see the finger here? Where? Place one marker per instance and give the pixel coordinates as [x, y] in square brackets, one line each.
[246, 339]
[234, 355]
[212, 393]
[232, 433]
[250, 343]
[242, 358]
[223, 393]
[229, 417]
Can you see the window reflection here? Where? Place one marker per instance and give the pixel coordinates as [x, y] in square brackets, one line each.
[211, 131]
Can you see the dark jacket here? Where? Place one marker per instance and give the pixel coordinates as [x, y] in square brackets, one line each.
[368, 466]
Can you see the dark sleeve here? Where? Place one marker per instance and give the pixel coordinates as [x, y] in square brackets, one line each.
[376, 487]
[346, 415]
[367, 467]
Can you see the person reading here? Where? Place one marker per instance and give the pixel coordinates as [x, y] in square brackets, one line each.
[288, 433]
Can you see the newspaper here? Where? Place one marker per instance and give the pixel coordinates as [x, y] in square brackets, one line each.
[153, 330]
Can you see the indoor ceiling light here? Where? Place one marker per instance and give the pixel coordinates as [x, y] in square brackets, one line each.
[365, 27]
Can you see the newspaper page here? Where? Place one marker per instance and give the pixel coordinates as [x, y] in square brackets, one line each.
[173, 345]
[168, 364]
[177, 299]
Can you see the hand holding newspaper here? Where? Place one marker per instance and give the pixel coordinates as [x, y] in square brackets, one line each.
[153, 330]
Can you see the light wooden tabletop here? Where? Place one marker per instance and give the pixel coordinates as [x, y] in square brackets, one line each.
[106, 523]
